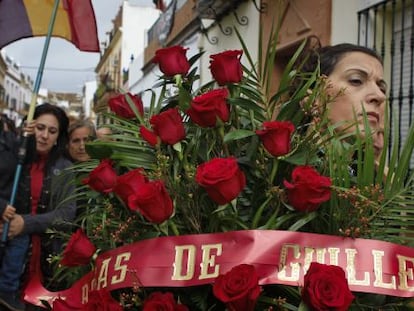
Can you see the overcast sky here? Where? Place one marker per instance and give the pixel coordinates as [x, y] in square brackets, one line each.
[67, 68]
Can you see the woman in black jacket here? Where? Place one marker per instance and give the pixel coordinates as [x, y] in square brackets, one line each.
[48, 185]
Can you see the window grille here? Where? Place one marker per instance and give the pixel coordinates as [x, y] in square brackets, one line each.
[388, 27]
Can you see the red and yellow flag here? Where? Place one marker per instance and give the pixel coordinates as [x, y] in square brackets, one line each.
[75, 21]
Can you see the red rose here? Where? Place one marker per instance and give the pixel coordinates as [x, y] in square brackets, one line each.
[158, 301]
[238, 288]
[207, 108]
[129, 183]
[275, 137]
[102, 178]
[119, 105]
[78, 251]
[148, 136]
[222, 179]
[326, 288]
[168, 125]
[152, 200]
[226, 67]
[172, 60]
[60, 304]
[308, 189]
[101, 300]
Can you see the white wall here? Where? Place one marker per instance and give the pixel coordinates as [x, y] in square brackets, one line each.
[89, 91]
[345, 19]
[249, 32]
[137, 19]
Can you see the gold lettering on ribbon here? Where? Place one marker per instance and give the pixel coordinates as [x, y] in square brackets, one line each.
[351, 271]
[178, 263]
[309, 251]
[404, 274]
[208, 261]
[85, 291]
[378, 282]
[333, 255]
[122, 268]
[282, 274]
[103, 274]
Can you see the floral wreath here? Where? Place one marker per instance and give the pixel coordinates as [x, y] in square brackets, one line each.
[218, 159]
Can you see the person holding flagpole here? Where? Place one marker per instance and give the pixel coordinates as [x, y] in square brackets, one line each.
[48, 185]
[74, 21]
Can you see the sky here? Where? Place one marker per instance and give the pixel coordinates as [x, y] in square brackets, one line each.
[66, 68]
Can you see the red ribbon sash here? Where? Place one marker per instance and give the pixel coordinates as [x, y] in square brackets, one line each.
[280, 257]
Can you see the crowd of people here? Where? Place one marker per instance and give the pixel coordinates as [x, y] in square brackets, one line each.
[52, 145]
[356, 73]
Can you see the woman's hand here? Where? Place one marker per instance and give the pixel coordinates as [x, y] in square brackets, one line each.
[8, 213]
[29, 127]
[16, 226]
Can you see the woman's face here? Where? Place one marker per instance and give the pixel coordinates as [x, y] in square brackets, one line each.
[46, 133]
[77, 141]
[357, 84]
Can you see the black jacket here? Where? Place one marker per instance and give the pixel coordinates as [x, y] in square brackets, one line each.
[56, 211]
[55, 208]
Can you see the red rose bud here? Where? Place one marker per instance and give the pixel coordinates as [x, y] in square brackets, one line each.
[207, 108]
[168, 125]
[162, 301]
[326, 288]
[226, 67]
[120, 106]
[78, 251]
[129, 183]
[101, 300]
[222, 179]
[239, 288]
[308, 190]
[172, 60]
[275, 137]
[148, 136]
[102, 178]
[152, 200]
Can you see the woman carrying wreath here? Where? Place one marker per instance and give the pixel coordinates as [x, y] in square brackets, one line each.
[356, 87]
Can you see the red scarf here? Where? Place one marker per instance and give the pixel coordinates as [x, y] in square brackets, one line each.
[36, 183]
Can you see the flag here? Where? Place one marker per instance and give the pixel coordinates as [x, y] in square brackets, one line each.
[75, 21]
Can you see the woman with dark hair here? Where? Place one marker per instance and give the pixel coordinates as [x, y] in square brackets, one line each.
[356, 85]
[47, 183]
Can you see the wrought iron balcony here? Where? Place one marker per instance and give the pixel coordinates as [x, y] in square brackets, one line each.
[216, 9]
[213, 12]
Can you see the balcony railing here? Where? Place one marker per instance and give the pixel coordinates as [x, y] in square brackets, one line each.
[216, 9]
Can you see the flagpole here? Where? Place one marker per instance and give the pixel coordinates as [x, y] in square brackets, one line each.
[23, 145]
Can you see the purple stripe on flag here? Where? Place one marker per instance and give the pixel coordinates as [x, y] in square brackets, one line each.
[14, 22]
